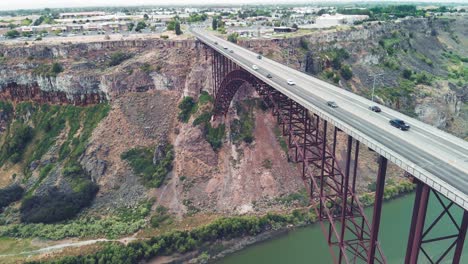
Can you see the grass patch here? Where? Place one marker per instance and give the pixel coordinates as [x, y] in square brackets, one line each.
[123, 222]
[161, 217]
[205, 98]
[281, 141]
[187, 108]
[141, 161]
[117, 58]
[301, 197]
[424, 58]
[242, 129]
[215, 136]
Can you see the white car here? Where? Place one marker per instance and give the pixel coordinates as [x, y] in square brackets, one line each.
[291, 82]
[255, 67]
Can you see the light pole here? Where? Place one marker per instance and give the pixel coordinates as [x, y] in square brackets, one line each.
[373, 85]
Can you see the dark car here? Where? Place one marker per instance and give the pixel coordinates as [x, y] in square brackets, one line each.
[259, 57]
[398, 123]
[216, 42]
[375, 108]
[269, 76]
[332, 104]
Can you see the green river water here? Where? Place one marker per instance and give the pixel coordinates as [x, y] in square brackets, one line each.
[308, 244]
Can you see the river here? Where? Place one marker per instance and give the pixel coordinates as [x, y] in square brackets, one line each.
[308, 244]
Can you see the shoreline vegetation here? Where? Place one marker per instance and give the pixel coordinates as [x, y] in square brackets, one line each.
[215, 240]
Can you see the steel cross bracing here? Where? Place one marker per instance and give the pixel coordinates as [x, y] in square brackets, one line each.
[334, 196]
[450, 246]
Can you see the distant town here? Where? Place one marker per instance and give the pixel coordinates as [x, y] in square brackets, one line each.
[249, 22]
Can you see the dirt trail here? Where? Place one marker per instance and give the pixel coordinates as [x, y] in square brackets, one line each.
[63, 245]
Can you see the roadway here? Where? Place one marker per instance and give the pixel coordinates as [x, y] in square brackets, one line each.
[440, 157]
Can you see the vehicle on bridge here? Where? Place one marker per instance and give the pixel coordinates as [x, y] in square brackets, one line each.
[255, 67]
[216, 42]
[231, 51]
[398, 123]
[291, 82]
[269, 76]
[375, 108]
[259, 57]
[332, 104]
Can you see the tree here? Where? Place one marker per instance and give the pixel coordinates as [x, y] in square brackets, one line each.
[321, 12]
[177, 28]
[57, 68]
[407, 73]
[12, 34]
[346, 72]
[130, 26]
[141, 25]
[233, 37]
[295, 26]
[145, 17]
[214, 23]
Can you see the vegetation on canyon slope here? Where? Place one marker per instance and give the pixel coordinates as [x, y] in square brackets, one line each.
[30, 141]
[152, 173]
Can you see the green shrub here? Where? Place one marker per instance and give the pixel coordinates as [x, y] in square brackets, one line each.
[337, 56]
[187, 107]
[10, 194]
[6, 109]
[422, 78]
[117, 58]
[301, 197]
[233, 37]
[204, 118]
[146, 67]
[16, 143]
[346, 72]
[177, 29]
[243, 128]
[140, 26]
[160, 217]
[304, 43]
[204, 98]
[407, 73]
[215, 136]
[12, 34]
[49, 70]
[391, 64]
[56, 205]
[56, 68]
[141, 161]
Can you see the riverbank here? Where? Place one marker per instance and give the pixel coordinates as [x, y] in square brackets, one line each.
[233, 234]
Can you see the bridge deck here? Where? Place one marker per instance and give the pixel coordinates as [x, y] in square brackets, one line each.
[431, 155]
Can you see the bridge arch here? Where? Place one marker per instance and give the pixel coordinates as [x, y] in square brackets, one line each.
[229, 87]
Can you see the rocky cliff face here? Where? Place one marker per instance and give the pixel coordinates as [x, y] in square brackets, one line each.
[87, 77]
[419, 45]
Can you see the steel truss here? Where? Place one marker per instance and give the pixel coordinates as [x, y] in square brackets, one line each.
[420, 231]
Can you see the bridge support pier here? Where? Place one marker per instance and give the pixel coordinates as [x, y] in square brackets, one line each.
[420, 230]
[379, 192]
